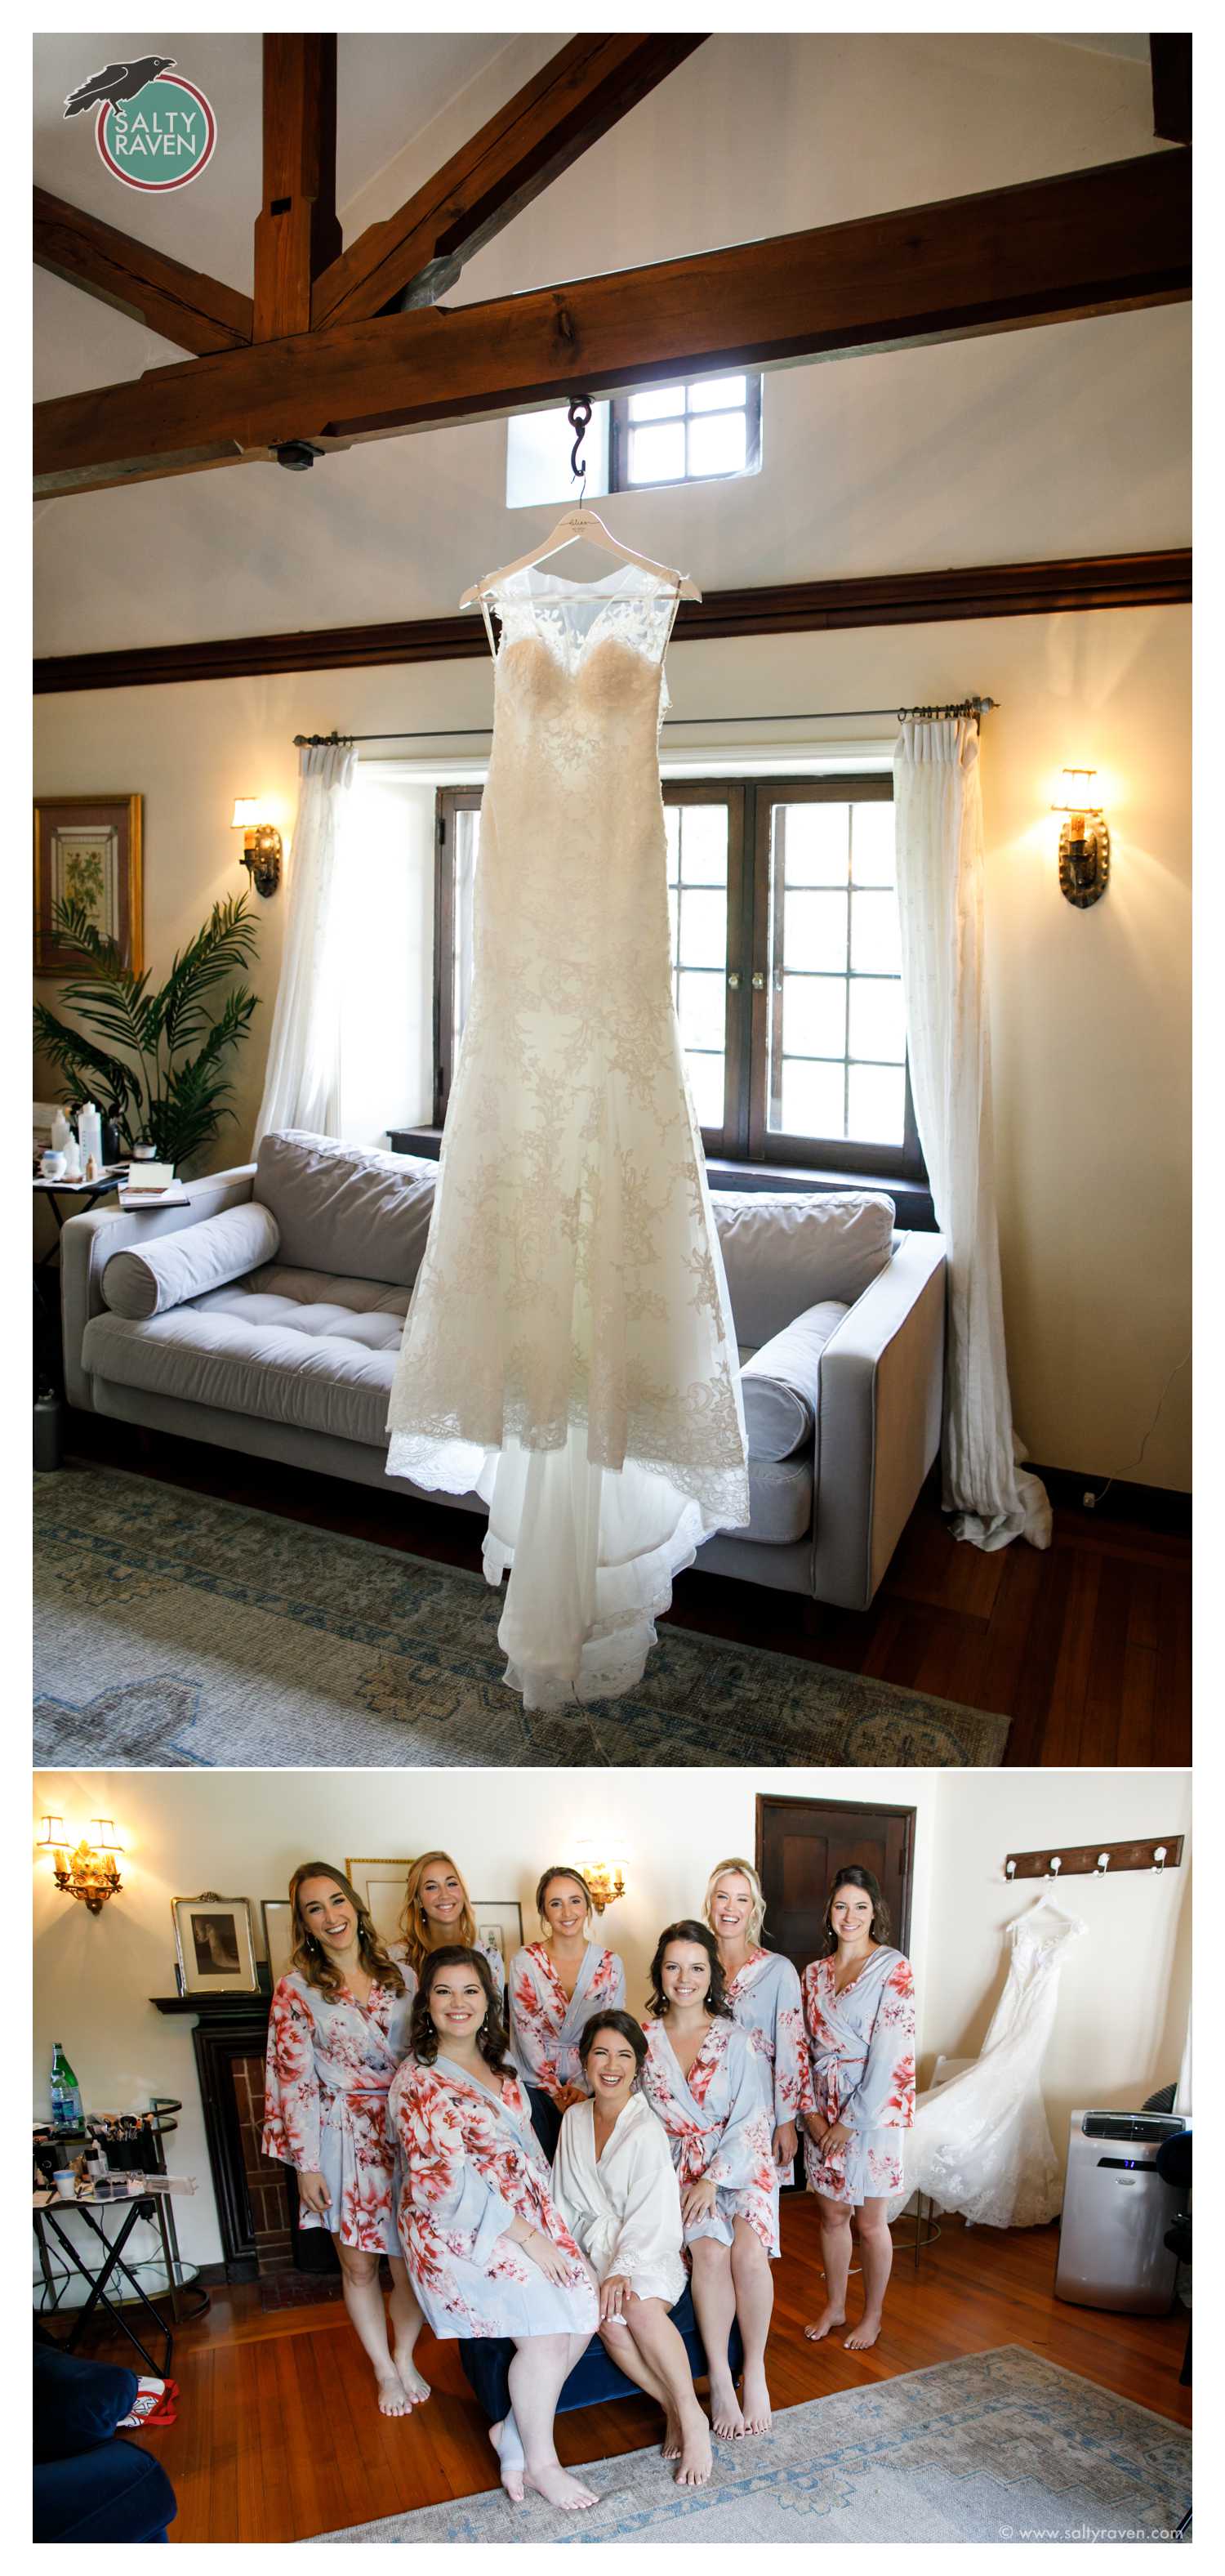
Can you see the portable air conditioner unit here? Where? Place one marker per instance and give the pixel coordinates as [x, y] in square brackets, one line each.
[1116, 2210]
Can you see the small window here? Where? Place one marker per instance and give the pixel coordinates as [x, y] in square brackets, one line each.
[706, 432]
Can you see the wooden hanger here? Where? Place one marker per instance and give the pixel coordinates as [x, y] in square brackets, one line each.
[581, 522]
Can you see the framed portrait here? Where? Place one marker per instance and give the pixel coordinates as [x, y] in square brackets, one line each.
[87, 850]
[277, 1913]
[499, 1921]
[215, 1944]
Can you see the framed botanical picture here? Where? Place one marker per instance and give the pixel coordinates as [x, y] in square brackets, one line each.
[87, 851]
[499, 1923]
[277, 1913]
[215, 1942]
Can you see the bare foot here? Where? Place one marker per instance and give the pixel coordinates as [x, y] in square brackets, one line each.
[864, 2336]
[416, 2389]
[671, 2449]
[695, 2465]
[552, 2483]
[505, 2440]
[726, 2419]
[755, 2402]
[828, 2319]
[393, 2396]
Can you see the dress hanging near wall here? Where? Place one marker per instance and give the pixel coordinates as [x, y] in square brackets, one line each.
[569, 1352]
[981, 2143]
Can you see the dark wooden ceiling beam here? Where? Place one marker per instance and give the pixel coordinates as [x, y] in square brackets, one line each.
[297, 235]
[1098, 241]
[195, 311]
[1170, 57]
[976, 591]
[578, 96]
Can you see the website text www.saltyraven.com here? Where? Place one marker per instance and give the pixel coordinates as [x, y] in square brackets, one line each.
[1087, 2531]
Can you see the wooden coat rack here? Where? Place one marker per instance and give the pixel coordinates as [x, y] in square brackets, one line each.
[1096, 1860]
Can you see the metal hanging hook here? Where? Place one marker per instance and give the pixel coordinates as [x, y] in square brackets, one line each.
[580, 419]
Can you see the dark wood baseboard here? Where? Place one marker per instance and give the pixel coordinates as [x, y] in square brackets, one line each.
[1153, 1507]
[1151, 580]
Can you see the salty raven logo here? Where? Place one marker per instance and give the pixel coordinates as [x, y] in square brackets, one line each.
[117, 82]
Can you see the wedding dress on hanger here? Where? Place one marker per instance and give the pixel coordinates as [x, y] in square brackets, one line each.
[569, 1352]
[980, 2144]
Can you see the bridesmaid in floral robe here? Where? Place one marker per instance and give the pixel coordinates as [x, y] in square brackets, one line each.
[555, 1986]
[860, 2011]
[337, 2031]
[764, 1993]
[487, 2250]
[701, 2079]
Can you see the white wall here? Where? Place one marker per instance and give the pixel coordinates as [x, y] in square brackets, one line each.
[243, 1832]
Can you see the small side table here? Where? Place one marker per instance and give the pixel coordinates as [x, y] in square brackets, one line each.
[113, 2269]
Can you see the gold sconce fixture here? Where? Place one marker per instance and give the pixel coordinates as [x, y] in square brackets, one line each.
[1084, 842]
[605, 1878]
[261, 844]
[91, 1872]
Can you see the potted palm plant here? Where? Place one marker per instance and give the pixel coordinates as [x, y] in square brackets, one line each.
[160, 1061]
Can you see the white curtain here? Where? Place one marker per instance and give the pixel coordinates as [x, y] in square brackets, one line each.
[302, 1083]
[939, 823]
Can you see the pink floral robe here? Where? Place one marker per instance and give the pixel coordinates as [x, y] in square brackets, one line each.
[472, 2165]
[330, 2068]
[546, 2024]
[717, 2124]
[765, 1997]
[862, 2046]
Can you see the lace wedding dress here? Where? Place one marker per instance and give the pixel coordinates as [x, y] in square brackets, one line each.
[569, 1352]
[980, 2144]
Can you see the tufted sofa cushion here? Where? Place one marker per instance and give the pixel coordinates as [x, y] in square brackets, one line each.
[305, 1347]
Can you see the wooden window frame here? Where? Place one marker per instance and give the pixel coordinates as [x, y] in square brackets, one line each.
[619, 426]
[745, 1138]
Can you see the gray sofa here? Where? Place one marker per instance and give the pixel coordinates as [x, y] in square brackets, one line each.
[267, 1316]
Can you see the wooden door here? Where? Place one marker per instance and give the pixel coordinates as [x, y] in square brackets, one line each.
[800, 1844]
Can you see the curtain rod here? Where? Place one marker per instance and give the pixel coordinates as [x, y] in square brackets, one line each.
[822, 715]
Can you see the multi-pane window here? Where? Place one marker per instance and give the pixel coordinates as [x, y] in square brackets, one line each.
[691, 433]
[786, 966]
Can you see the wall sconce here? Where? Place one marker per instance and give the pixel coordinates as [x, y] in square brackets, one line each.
[605, 1878]
[91, 1872]
[1084, 842]
[261, 844]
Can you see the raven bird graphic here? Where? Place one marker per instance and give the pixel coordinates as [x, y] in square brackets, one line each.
[118, 81]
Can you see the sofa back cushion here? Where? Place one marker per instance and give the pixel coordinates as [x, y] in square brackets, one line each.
[341, 1208]
[786, 1252]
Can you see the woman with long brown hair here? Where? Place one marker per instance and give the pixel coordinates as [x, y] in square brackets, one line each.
[555, 1985]
[488, 2252]
[337, 2032]
[859, 2009]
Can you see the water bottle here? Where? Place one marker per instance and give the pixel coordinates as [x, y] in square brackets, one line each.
[89, 1138]
[66, 2112]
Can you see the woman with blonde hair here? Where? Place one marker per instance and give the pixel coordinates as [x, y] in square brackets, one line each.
[555, 1985]
[763, 1990]
[338, 2030]
[438, 1913]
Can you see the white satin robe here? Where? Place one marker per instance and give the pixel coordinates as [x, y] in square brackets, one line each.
[622, 2208]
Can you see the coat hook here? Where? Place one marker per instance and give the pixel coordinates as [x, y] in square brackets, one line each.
[1159, 1859]
[1103, 1863]
[1055, 1867]
[1010, 1869]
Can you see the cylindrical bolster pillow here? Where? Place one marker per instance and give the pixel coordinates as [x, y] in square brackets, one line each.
[174, 1267]
[780, 1383]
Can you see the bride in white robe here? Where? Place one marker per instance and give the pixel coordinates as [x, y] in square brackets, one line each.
[616, 2187]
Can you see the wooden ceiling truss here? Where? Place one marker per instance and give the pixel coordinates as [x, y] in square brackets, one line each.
[339, 344]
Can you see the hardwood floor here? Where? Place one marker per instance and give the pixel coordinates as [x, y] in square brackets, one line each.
[278, 2436]
[1085, 1646]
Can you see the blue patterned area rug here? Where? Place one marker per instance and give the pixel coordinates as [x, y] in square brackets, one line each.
[173, 1629]
[999, 2447]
